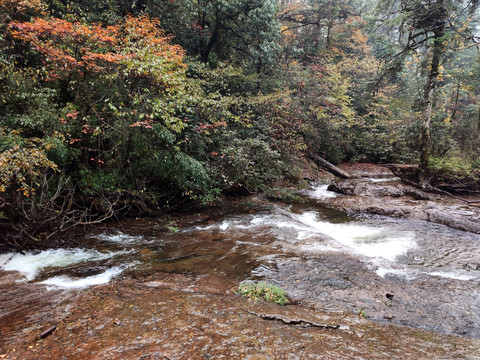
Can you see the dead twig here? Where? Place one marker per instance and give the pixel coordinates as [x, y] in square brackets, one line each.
[47, 332]
[289, 321]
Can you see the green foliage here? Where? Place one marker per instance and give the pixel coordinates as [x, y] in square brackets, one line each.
[238, 98]
[21, 167]
[453, 165]
[25, 102]
[120, 109]
[99, 181]
[262, 290]
[172, 227]
[455, 170]
[250, 164]
[431, 35]
[283, 194]
[108, 11]
[361, 313]
[239, 31]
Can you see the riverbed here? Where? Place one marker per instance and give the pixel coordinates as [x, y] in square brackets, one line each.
[360, 286]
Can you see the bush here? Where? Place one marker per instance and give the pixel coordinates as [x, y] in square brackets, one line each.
[454, 171]
[262, 290]
[250, 164]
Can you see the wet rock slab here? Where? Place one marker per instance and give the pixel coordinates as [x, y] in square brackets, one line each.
[342, 283]
[365, 187]
[134, 320]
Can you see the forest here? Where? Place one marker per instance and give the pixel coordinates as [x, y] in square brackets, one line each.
[129, 107]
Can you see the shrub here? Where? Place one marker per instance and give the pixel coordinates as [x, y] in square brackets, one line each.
[256, 291]
[251, 164]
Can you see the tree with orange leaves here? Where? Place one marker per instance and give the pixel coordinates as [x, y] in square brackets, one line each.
[69, 48]
[113, 86]
[85, 60]
[106, 104]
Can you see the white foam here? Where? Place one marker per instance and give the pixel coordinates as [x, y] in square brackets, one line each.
[386, 179]
[31, 264]
[261, 220]
[321, 192]
[452, 275]
[411, 274]
[243, 224]
[67, 282]
[365, 240]
[224, 225]
[402, 273]
[317, 247]
[119, 238]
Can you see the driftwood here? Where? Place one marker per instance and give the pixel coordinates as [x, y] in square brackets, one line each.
[403, 171]
[406, 171]
[330, 167]
[47, 332]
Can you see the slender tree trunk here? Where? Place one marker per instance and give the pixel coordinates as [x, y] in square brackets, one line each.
[329, 29]
[455, 104]
[205, 52]
[428, 100]
[478, 130]
[478, 122]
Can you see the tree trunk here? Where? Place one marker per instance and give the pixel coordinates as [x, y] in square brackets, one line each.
[329, 29]
[428, 99]
[478, 122]
[205, 52]
[455, 105]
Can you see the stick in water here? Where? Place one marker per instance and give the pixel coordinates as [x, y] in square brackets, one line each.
[47, 332]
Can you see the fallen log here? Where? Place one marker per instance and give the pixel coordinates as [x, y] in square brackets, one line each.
[330, 167]
[432, 189]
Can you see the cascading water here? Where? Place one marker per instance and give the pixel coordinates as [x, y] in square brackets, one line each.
[390, 247]
[31, 265]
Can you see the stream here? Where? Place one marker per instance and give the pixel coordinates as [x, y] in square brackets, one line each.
[355, 268]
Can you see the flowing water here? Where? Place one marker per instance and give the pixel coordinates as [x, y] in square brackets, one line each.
[391, 270]
[404, 249]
